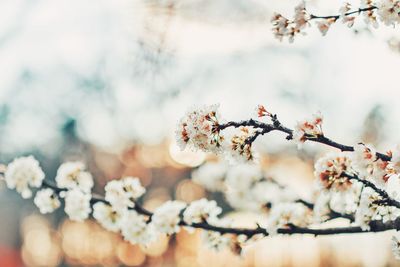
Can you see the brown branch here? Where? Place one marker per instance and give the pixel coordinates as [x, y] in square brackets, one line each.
[376, 226]
[336, 17]
[387, 200]
[263, 128]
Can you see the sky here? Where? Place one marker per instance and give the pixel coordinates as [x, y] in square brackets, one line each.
[124, 71]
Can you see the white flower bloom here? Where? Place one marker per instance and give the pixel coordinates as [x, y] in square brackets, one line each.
[393, 187]
[121, 194]
[283, 214]
[396, 247]
[46, 200]
[215, 240]
[388, 12]
[201, 210]
[346, 201]
[77, 204]
[241, 151]
[330, 168]
[301, 17]
[346, 19]
[366, 210]
[107, 216]
[280, 26]
[308, 128]
[211, 175]
[324, 25]
[22, 173]
[73, 175]
[135, 229]
[368, 166]
[198, 129]
[395, 161]
[166, 217]
[321, 207]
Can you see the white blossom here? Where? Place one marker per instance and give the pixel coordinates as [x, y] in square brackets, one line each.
[211, 175]
[46, 200]
[214, 240]
[396, 247]
[283, 214]
[166, 218]
[241, 149]
[121, 194]
[308, 128]
[366, 210]
[107, 216]
[201, 210]
[388, 12]
[198, 129]
[23, 173]
[329, 170]
[346, 19]
[135, 229]
[77, 204]
[73, 175]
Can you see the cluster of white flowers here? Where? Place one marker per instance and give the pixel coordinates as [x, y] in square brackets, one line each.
[136, 230]
[283, 27]
[284, 214]
[396, 247]
[77, 204]
[240, 147]
[215, 240]
[121, 194]
[368, 166]
[199, 129]
[388, 12]
[369, 210]
[243, 185]
[329, 170]
[166, 218]
[107, 216]
[23, 173]
[201, 210]
[311, 128]
[72, 175]
[47, 200]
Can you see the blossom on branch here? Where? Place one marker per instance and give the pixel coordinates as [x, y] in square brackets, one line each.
[201, 210]
[135, 229]
[284, 215]
[330, 169]
[198, 129]
[166, 218]
[77, 204]
[388, 12]
[73, 175]
[109, 218]
[306, 129]
[46, 200]
[121, 194]
[23, 173]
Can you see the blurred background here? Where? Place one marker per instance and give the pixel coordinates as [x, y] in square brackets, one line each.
[105, 82]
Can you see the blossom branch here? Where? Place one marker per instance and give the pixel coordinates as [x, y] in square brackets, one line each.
[376, 226]
[265, 128]
[388, 11]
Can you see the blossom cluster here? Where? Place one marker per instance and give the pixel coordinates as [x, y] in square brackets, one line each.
[244, 186]
[358, 184]
[117, 211]
[199, 129]
[386, 11]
